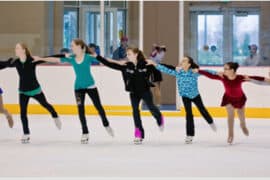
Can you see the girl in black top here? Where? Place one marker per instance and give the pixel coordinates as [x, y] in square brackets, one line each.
[28, 86]
[136, 75]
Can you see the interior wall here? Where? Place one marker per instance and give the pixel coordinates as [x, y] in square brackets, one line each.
[133, 23]
[22, 22]
[161, 21]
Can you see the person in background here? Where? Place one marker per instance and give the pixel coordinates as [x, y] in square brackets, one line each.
[121, 52]
[254, 58]
[93, 48]
[157, 55]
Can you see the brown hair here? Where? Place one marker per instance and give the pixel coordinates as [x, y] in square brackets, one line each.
[192, 63]
[233, 65]
[24, 46]
[140, 56]
[80, 42]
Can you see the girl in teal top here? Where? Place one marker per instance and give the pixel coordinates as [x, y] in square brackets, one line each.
[84, 84]
[84, 78]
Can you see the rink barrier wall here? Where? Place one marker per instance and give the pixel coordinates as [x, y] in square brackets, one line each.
[127, 111]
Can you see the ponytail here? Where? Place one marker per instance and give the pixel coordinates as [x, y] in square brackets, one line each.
[233, 65]
[192, 63]
[140, 55]
[82, 44]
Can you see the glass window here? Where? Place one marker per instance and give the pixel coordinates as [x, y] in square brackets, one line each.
[228, 35]
[92, 31]
[121, 24]
[210, 39]
[245, 38]
[70, 26]
[90, 23]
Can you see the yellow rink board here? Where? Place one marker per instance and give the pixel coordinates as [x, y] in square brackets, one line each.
[127, 111]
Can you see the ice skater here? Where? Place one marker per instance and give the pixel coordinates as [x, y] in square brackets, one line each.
[136, 75]
[234, 97]
[84, 84]
[29, 86]
[187, 82]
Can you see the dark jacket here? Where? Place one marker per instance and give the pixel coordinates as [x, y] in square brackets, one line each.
[136, 77]
[26, 71]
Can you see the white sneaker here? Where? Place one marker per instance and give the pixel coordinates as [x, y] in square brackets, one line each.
[109, 131]
[85, 138]
[189, 139]
[213, 127]
[25, 138]
[138, 140]
[57, 122]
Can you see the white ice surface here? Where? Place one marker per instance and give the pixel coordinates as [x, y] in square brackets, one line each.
[54, 153]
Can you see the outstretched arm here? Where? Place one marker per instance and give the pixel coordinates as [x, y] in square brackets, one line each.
[257, 80]
[169, 66]
[47, 59]
[162, 68]
[7, 63]
[51, 56]
[209, 74]
[110, 63]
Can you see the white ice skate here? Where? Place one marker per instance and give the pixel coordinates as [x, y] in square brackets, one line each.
[189, 139]
[85, 138]
[230, 140]
[25, 138]
[109, 131]
[138, 140]
[57, 122]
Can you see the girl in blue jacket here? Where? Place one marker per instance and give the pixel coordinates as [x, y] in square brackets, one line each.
[187, 82]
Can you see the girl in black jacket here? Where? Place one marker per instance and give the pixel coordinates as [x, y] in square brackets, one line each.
[136, 75]
[28, 86]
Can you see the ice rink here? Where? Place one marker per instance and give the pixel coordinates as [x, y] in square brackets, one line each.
[54, 153]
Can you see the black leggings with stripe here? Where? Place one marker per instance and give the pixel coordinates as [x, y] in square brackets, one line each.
[80, 99]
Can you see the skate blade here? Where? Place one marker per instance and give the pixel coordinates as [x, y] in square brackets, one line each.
[25, 141]
[84, 141]
[138, 142]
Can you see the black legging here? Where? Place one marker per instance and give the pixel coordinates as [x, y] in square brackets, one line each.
[148, 99]
[189, 116]
[24, 99]
[80, 98]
